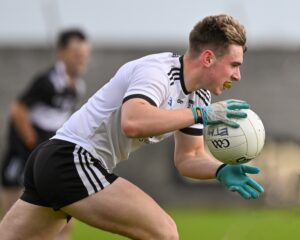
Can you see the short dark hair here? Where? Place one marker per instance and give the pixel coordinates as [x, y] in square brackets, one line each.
[217, 32]
[65, 37]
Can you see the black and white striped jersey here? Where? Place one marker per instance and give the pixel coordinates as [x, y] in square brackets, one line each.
[158, 79]
[49, 99]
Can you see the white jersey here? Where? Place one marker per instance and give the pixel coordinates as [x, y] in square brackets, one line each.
[158, 79]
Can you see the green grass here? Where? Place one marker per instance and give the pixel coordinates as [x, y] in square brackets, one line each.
[227, 224]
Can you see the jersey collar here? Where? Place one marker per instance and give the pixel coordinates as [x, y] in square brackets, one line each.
[181, 77]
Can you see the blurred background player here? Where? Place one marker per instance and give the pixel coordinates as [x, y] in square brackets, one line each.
[42, 108]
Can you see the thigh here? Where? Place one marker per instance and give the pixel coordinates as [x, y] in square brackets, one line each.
[8, 197]
[125, 209]
[27, 221]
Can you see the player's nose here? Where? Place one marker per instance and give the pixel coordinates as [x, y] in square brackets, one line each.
[236, 76]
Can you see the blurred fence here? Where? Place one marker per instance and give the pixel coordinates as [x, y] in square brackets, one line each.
[270, 82]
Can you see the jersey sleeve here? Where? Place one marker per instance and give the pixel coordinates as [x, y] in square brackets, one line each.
[40, 90]
[201, 97]
[149, 83]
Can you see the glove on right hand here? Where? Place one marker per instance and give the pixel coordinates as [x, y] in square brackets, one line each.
[221, 112]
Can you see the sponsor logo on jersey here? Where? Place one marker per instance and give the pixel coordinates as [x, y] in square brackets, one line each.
[170, 102]
[179, 101]
[191, 103]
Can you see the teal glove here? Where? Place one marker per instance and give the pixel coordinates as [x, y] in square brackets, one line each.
[220, 112]
[235, 179]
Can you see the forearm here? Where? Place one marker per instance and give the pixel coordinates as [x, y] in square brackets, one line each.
[20, 117]
[145, 120]
[198, 167]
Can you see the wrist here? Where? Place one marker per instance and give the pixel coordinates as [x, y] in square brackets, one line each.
[203, 111]
[197, 114]
[219, 169]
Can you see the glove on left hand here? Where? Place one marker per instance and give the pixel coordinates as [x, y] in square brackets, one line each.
[235, 179]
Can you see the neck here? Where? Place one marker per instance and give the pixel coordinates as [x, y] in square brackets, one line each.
[71, 77]
[192, 73]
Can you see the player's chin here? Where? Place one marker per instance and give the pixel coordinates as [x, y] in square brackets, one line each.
[218, 92]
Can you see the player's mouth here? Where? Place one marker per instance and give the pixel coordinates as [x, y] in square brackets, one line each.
[227, 85]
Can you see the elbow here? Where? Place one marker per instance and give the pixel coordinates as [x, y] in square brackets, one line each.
[180, 168]
[130, 129]
[182, 172]
[15, 109]
[12, 109]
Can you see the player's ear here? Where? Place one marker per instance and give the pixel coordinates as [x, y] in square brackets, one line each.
[207, 57]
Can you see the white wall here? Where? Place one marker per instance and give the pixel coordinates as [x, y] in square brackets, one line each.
[143, 23]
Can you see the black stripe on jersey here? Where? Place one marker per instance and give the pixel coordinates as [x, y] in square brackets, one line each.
[91, 170]
[174, 74]
[192, 131]
[175, 69]
[206, 93]
[140, 96]
[203, 97]
[173, 81]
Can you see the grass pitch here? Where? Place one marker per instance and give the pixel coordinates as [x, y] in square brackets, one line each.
[225, 224]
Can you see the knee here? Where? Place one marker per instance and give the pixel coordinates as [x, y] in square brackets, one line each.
[168, 231]
[172, 233]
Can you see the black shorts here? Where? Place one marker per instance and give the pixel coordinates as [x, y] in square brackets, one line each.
[59, 173]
